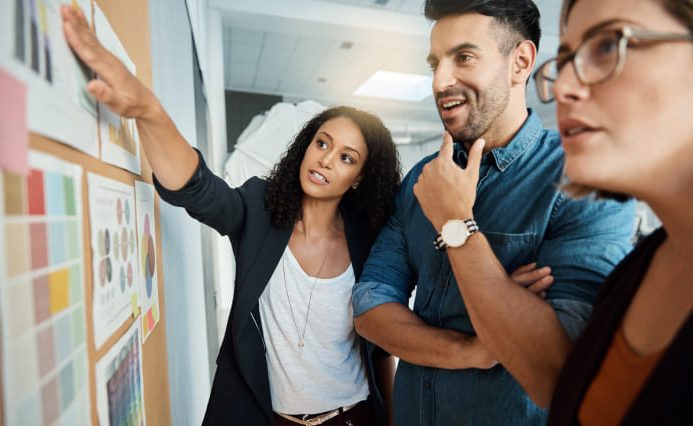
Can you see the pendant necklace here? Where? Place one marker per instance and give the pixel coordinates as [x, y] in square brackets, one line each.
[301, 335]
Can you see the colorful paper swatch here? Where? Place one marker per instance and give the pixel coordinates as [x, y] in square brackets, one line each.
[146, 236]
[114, 254]
[42, 292]
[14, 136]
[119, 388]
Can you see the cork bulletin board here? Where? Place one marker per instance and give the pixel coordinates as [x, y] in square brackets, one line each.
[34, 336]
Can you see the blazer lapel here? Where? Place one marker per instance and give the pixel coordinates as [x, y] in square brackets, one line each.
[251, 358]
[356, 242]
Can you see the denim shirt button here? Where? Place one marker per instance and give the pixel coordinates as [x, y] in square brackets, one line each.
[427, 385]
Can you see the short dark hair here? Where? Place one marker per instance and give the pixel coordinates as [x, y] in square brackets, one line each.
[374, 199]
[519, 17]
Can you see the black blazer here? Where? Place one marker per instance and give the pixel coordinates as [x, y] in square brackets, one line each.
[667, 394]
[240, 391]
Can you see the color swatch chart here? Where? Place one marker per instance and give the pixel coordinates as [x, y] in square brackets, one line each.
[114, 254]
[42, 292]
[120, 391]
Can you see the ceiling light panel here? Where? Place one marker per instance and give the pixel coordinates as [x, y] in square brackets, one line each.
[395, 85]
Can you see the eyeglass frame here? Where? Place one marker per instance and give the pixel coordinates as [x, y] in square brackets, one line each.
[626, 33]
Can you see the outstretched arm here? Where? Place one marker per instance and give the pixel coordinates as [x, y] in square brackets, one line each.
[173, 161]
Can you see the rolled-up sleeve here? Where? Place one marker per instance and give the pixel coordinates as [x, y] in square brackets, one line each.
[573, 315]
[386, 276]
[586, 239]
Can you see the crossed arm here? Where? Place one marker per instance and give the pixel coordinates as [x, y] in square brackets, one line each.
[523, 332]
[402, 333]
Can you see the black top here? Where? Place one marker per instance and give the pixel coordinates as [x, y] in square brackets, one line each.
[240, 392]
[667, 395]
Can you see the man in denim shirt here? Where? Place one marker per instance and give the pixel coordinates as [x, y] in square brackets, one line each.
[479, 348]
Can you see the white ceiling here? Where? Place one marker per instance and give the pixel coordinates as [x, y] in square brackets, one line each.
[324, 49]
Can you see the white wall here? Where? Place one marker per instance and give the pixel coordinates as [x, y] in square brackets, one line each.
[188, 363]
[213, 74]
[411, 154]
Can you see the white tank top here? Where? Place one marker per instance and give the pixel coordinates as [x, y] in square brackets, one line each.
[330, 372]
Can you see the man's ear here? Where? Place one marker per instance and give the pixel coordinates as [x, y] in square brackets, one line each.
[524, 57]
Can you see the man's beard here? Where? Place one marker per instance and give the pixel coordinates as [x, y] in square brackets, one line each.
[481, 118]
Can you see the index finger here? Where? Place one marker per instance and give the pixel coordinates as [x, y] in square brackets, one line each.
[446, 149]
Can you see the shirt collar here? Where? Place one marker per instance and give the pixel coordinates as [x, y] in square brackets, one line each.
[504, 156]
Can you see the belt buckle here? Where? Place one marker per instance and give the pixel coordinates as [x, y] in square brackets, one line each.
[315, 421]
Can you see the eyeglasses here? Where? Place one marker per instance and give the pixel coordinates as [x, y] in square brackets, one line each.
[598, 58]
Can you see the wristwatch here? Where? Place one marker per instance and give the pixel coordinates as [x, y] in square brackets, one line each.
[455, 233]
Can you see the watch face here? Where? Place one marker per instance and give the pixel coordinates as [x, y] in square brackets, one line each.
[454, 233]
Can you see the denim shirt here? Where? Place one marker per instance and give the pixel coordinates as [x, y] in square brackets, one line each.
[525, 218]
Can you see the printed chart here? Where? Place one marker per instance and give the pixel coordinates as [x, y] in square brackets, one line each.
[120, 144]
[146, 235]
[114, 254]
[119, 386]
[42, 292]
[35, 52]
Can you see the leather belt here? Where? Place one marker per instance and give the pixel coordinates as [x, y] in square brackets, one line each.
[320, 419]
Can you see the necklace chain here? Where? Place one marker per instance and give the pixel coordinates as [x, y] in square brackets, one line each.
[301, 335]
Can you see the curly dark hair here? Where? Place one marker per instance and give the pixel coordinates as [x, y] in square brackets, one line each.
[374, 199]
[519, 17]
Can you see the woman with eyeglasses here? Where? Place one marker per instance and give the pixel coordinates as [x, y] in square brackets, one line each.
[623, 82]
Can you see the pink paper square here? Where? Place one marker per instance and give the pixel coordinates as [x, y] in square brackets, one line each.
[14, 137]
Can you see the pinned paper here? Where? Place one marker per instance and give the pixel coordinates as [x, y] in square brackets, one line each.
[35, 51]
[44, 359]
[119, 382]
[114, 255]
[120, 141]
[14, 136]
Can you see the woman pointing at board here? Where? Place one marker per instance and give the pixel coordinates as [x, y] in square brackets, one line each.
[300, 238]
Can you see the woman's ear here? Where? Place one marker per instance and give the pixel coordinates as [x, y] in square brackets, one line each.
[356, 183]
